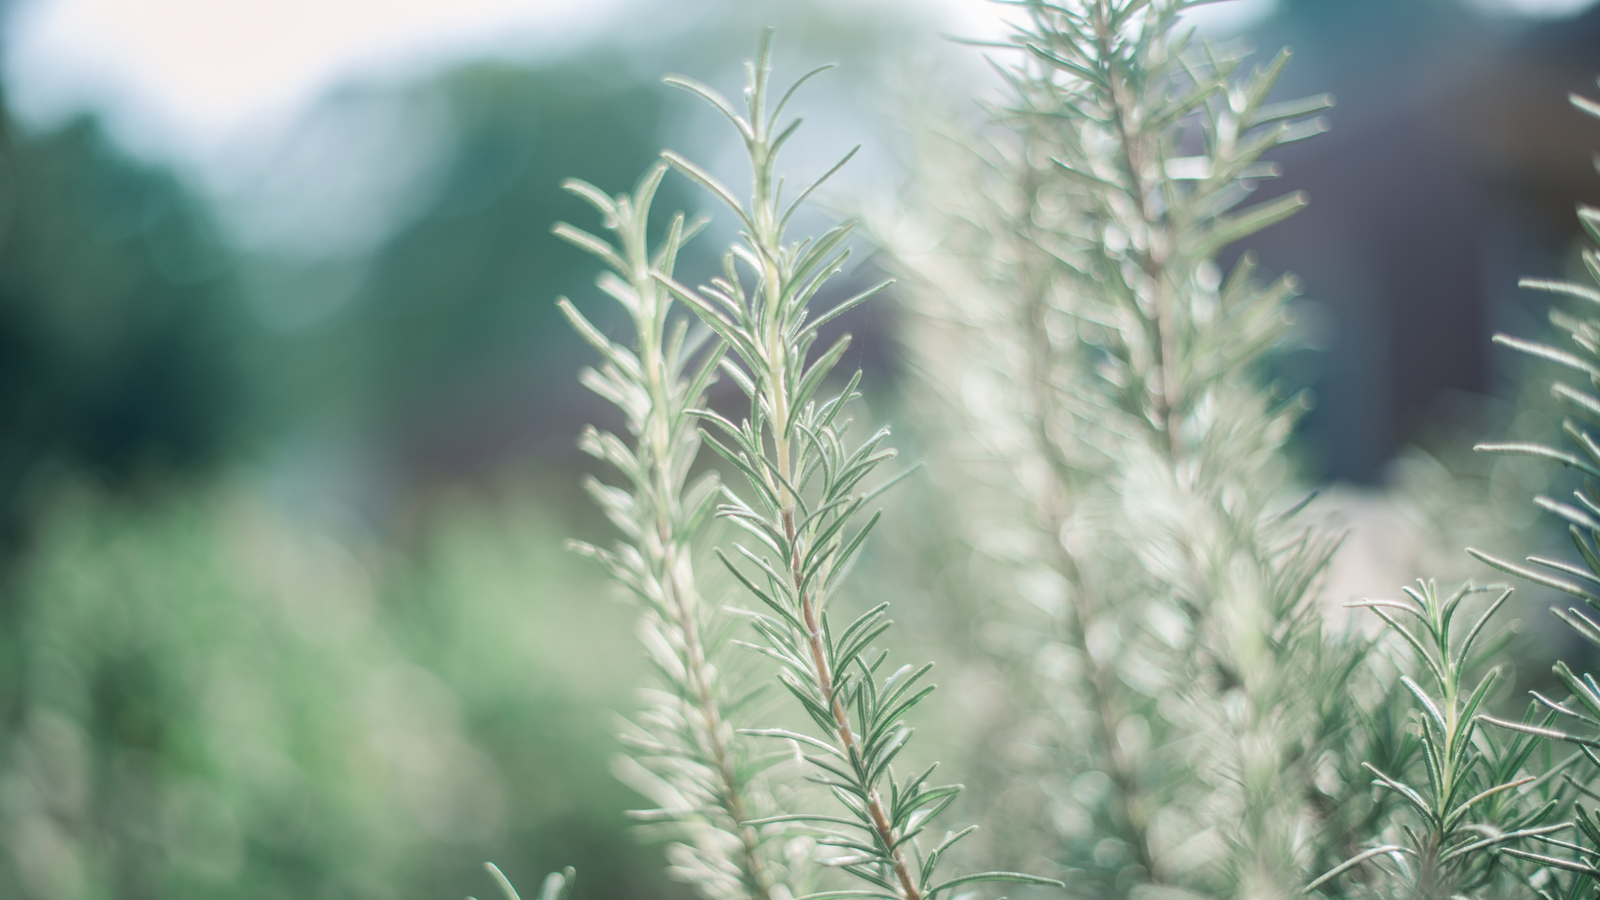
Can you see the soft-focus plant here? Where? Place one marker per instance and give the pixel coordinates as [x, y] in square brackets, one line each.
[192, 686]
[557, 885]
[210, 700]
[1098, 366]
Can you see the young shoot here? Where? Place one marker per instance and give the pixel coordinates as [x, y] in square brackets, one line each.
[809, 485]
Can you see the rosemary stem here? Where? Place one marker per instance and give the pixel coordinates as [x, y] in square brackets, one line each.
[696, 670]
[1137, 159]
[1099, 675]
[841, 716]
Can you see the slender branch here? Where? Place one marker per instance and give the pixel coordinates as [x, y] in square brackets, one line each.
[807, 492]
[1051, 510]
[654, 391]
[1134, 147]
[841, 716]
[1096, 242]
[697, 671]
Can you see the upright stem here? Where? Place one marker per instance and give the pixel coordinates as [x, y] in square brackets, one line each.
[841, 716]
[672, 570]
[778, 403]
[758, 878]
[1154, 258]
[1100, 678]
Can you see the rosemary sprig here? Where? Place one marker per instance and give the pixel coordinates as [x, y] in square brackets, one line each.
[1479, 797]
[1572, 867]
[703, 775]
[805, 506]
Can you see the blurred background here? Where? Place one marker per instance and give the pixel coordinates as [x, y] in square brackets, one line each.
[287, 415]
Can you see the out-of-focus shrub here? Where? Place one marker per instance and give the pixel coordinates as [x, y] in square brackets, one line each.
[206, 700]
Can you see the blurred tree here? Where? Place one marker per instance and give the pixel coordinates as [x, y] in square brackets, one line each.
[120, 334]
[450, 354]
[448, 359]
[204, 699]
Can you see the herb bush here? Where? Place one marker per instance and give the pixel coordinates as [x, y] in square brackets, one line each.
[1105, 445]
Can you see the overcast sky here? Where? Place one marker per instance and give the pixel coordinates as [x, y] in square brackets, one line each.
[193, 73]
[207, 83]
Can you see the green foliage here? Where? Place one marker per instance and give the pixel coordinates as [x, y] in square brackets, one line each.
[805, 503]
[481, 598]
[211, 701]
[145, 653]
[707, 780]
[1091, 354]
[1480, 792]
[1578, 717]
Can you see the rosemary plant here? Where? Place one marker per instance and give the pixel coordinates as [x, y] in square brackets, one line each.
[1115, 386]
[805, 509]
[706, 779]
[1578, 717]
[1478, 795]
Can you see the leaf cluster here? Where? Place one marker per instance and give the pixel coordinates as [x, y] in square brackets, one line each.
[1576, 720]
[1580, 400]
[654, 383]
[1117, 99]
[804, 509]
[1478, 794]
[687, 758]
[1130, 156]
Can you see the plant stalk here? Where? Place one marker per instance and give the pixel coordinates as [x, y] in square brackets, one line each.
[757, 876]
[841, 716]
